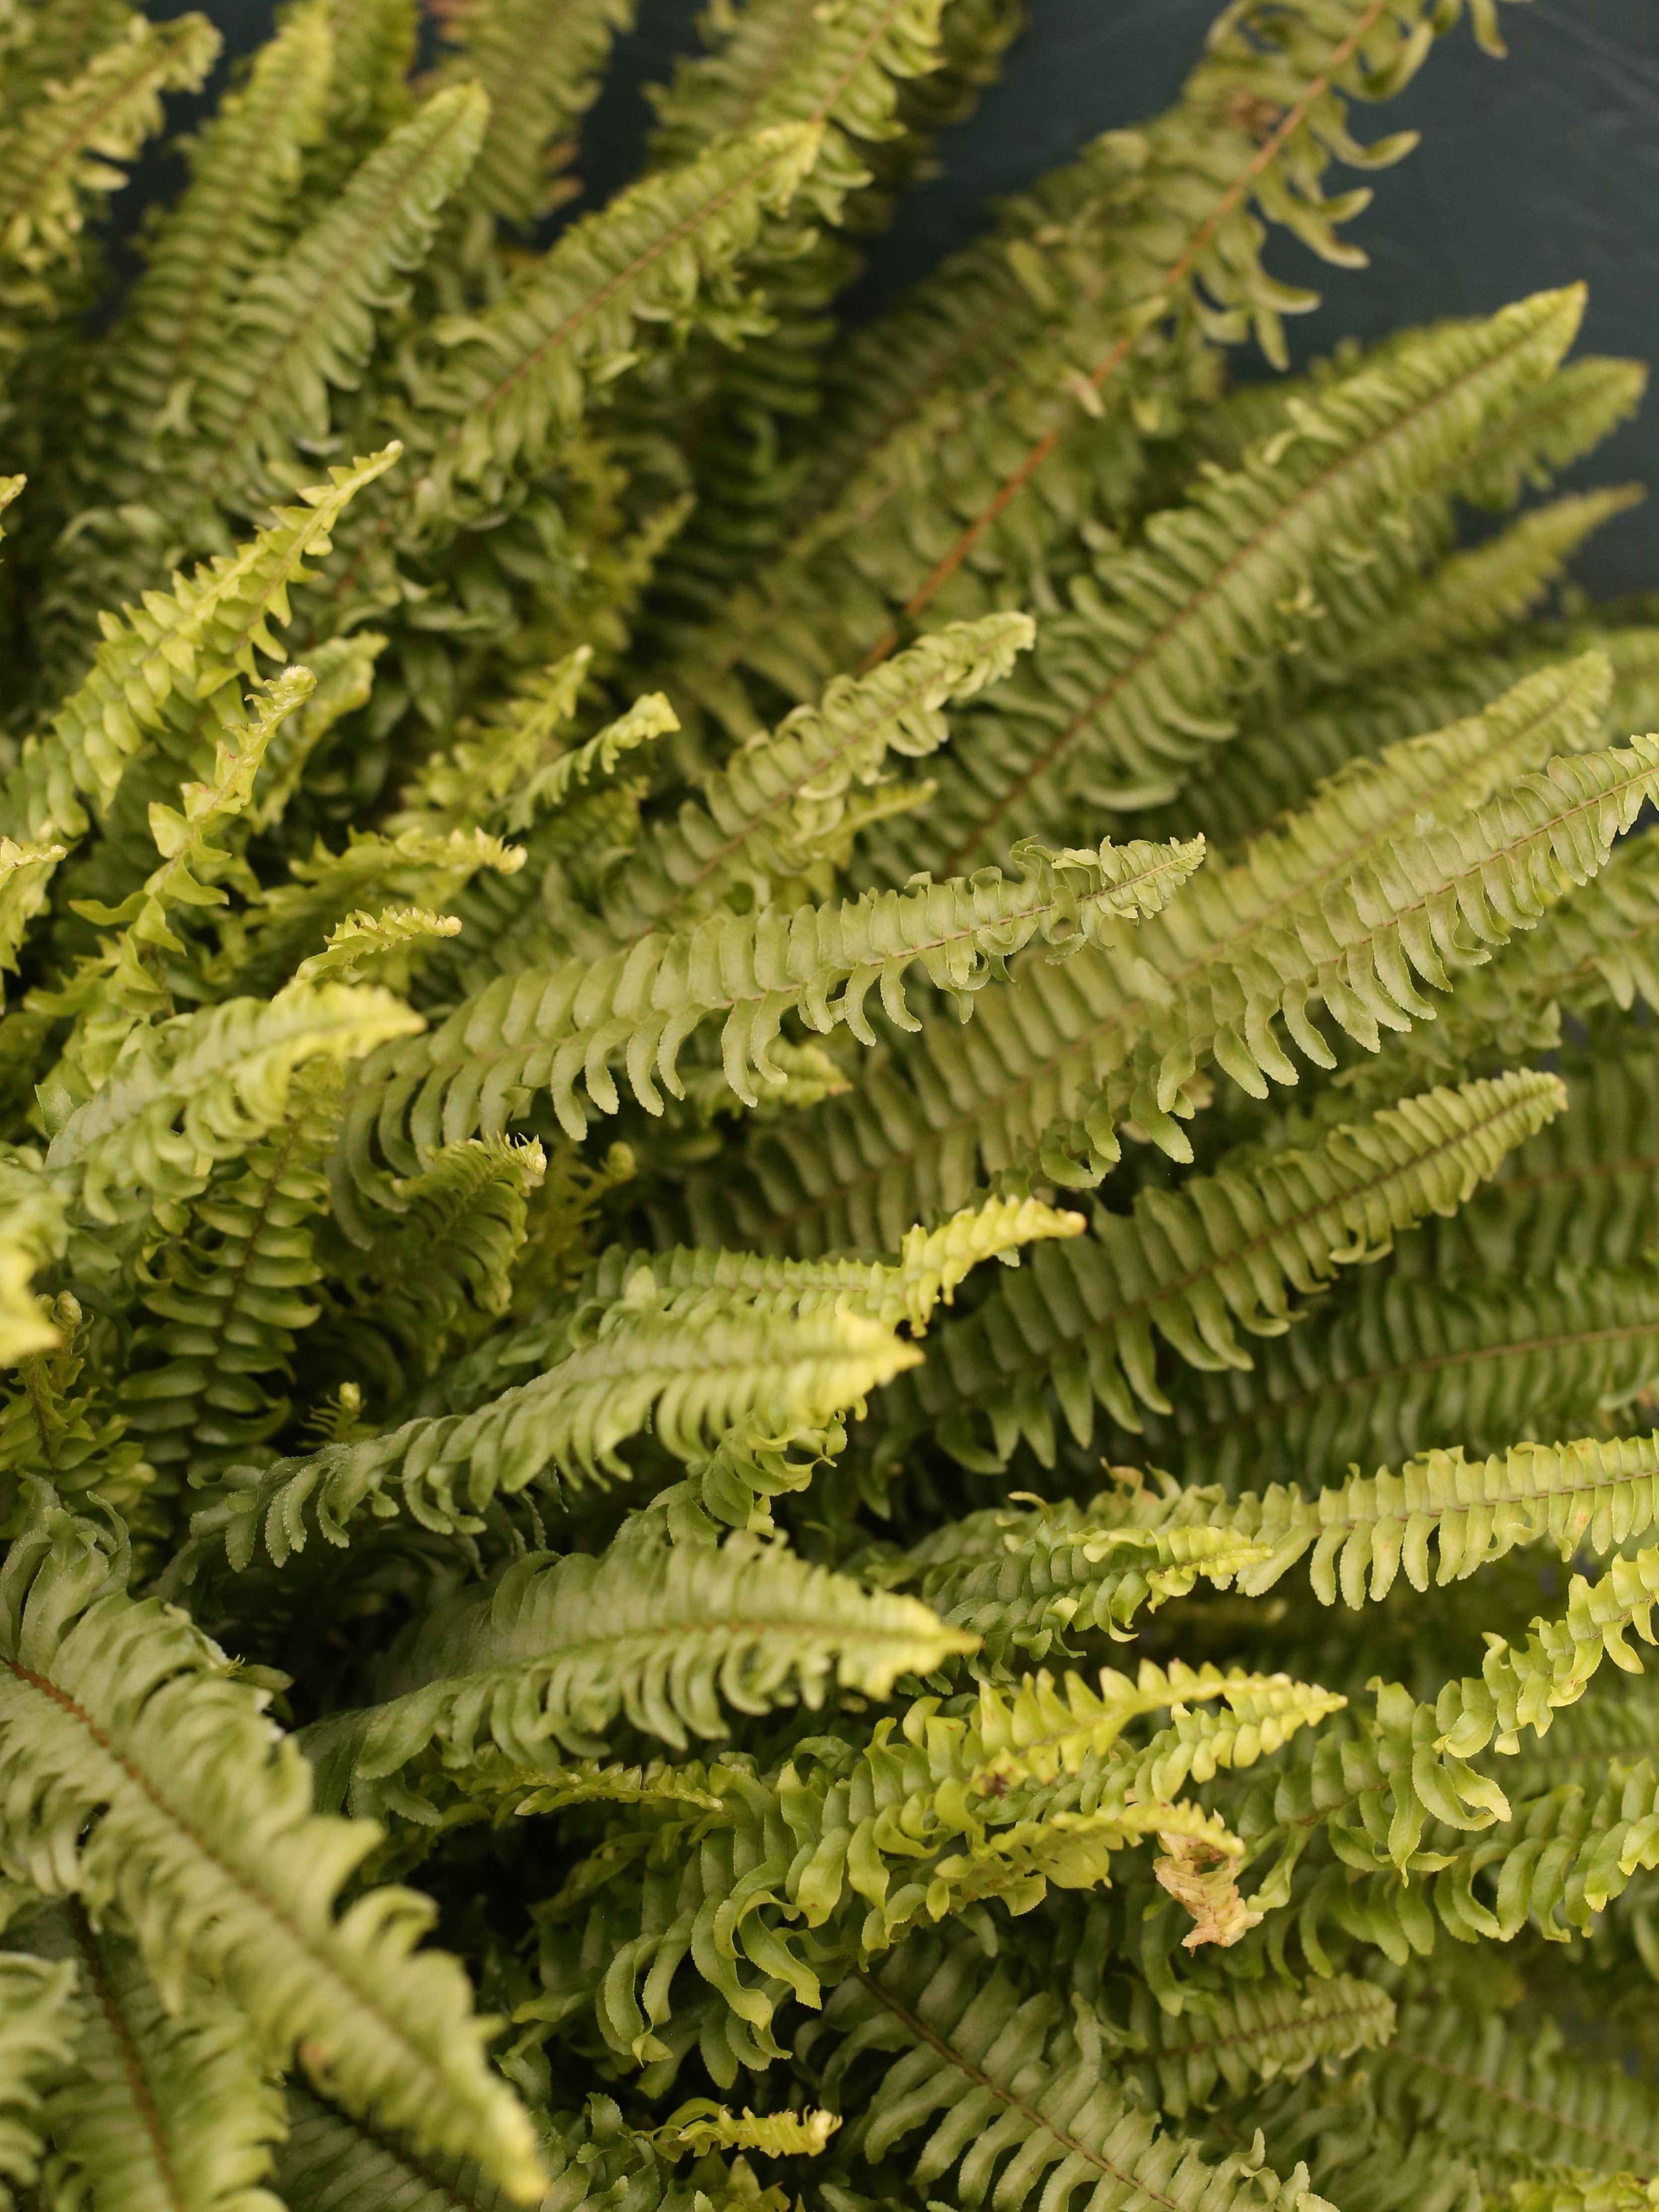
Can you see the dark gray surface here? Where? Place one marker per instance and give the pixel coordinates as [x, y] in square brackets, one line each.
[1532, 172]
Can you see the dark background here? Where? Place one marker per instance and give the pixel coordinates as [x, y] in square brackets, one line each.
[1532, 172]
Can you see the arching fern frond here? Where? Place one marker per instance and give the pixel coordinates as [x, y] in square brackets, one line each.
[244, 170]
[164, 660]
[202, 1088]
[1396, 1367]
[692, 1375]
[307, 323]
[515, 380]
[930, 1264]
[530, 1032]
[1470, 599]
[1127, 694]
[555, 1652]
[1225, 1253]
[227, 1294]
[540, 78]
[208, 1845]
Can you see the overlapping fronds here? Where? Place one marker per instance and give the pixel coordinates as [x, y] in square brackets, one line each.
[514, 381]
[218, 1863]
[990, 2092]
[307, 323]
[539, 79]
[690, 1370]
[925, 1820]
[1348, 907]
[783, 808]
[1225, 1255]
[526, 1042]
[548, 1657]
[244, 172]
[640, 1006]
[161, 660]
[1126, 693]
[1396, 1367]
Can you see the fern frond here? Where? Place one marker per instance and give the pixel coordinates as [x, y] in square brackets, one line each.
[930, 1266]
[67, 146]
[227, 1294]
[207, 1844]
[1250, 2031]
[701, 2125]
[781, 809]
[129, 981]
[515, 380]
[1011, 2095]
[335, 2161]
[375, 948]
[1127, 693]
[691, 1375]
[292, 923]
[37, 2048]
[1029, 1582]
[540, 78]
[1342, 906]
[1499, 2090]
[440, 1268]
[226, 224]
[1584, 1190]
[1364, 1535]
[529, 1032]
[1471, 598]
[552, 1654]
[1400, 1367]
[1270, 771]
[466, 787]
[69, 1436]
[203, 1088]
[162, 662]
[1222, 1254]
[309, 322]
[1551, 426]
[167, 2107]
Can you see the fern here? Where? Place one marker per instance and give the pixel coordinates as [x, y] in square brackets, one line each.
[566, 1636]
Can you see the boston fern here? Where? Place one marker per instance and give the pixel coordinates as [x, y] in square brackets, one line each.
[579, 854]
